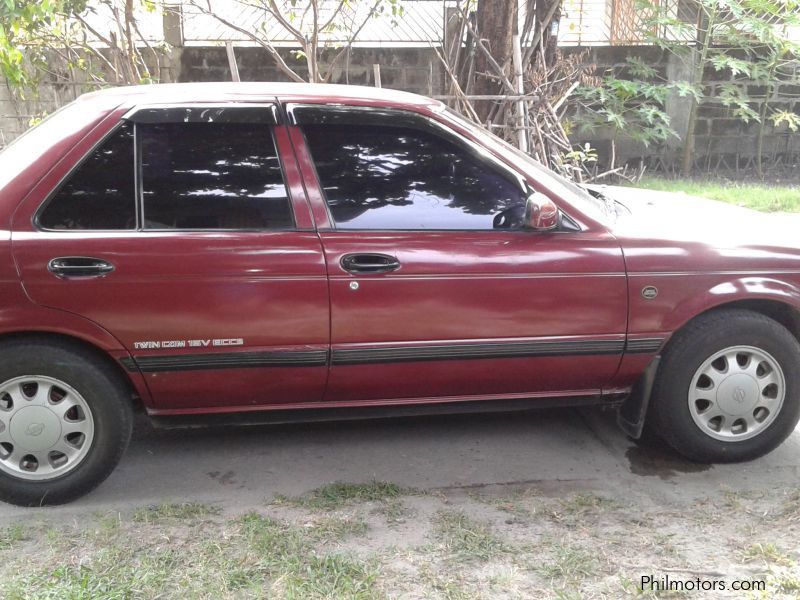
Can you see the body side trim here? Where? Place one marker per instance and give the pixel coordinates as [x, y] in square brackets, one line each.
[389, 354]
[227, 360]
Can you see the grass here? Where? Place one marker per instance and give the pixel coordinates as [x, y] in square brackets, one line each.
[339, 494]
[252, 556]
[288, 557]
[334, 529]
[569, 563]
[11, 535]
[575, 507]
[394, 511]
[791, 506]
[182, 511]
[465, 538]
[453, 548]
[768, 553]
[759, 196]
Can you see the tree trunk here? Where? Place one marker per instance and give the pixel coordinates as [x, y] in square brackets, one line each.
[496, 23]
[705, 34]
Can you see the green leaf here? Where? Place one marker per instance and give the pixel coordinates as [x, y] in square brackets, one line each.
[791, 119]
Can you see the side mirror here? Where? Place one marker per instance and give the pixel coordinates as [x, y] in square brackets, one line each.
[541, 213]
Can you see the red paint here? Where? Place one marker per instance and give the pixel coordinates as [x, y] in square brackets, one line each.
[287, 292]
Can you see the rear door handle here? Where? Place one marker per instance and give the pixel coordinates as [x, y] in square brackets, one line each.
[369, 263]
[79, 266]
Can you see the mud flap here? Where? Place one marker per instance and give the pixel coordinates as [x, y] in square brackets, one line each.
[631, 415]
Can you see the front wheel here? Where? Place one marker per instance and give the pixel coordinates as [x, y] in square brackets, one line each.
[727, 389]
[65, 420]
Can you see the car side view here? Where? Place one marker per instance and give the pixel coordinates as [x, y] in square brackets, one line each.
[273, 252]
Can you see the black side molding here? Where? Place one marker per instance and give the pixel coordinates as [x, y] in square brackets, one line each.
[228, 360]
[354, 356]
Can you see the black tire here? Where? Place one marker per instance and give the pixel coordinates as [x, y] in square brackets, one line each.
[690, 347]
[108, 398]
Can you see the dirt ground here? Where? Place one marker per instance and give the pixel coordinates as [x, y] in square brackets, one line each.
[554, 504]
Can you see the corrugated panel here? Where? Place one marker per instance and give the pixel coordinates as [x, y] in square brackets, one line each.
[100, 17]
[421, 22]
[585, 23]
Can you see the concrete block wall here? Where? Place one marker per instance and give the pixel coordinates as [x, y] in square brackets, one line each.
[11, 124]
[719, 133]
[721, 139]
[411, 69]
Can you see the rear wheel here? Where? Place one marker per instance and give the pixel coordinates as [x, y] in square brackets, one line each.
[727, 388]
[65, 420]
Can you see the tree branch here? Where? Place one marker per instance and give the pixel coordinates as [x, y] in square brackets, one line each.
[349, 42]
[263, 43]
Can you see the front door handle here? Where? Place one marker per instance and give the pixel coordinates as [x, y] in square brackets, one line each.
[369, 263]
[79, 266]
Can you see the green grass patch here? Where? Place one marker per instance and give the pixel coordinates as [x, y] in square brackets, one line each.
[289, 559]
[768, 553]
[338, 494]
[11, 535]
[569, 563]
[334, 529]
[758, 196]
[394, 511]
[575, 507]
[465, 538]
[249, 557]
[181, 511]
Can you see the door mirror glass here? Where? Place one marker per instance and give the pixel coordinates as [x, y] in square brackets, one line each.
[541, 213]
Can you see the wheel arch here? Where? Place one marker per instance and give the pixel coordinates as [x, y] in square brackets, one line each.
[635, 410]
[783, 312]
[138, 391]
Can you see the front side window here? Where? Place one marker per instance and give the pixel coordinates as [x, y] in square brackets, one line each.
[211, 175]
[101, 193]
[402, 178]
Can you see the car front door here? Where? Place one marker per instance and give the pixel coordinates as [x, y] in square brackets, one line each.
[186, 234]
[437, 289]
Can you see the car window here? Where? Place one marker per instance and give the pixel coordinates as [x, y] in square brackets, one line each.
[212, 175]
[100, 193]
[562, 186]
[379, 177]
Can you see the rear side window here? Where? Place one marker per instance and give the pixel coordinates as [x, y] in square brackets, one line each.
[403, 178]
[100, 194]
[212, 175]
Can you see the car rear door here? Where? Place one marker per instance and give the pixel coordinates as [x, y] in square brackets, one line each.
[437, 291]
[186, 234]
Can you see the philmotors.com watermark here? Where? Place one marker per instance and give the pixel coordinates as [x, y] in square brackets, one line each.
[665, 583]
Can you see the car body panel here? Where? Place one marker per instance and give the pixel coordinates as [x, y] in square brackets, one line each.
[258, 298]
[464, 291]
[468, 316]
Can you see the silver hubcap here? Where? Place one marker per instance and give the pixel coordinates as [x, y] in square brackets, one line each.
[737, 393]
[46, 427]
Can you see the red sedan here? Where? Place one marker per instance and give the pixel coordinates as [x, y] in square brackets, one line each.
[274, 252]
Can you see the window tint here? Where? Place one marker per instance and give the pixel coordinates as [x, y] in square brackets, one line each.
[100, 194]
[212, 176]
[402, 178]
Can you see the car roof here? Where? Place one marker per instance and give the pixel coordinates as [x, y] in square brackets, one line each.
[169, 93]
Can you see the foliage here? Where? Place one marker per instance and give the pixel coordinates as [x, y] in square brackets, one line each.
[633, 108]
[21, 22]
[44, 37]
[747, 39]
[581, 159]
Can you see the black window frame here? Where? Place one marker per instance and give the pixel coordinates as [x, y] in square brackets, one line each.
[263, 113]
[36, 220]
[300, 114]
